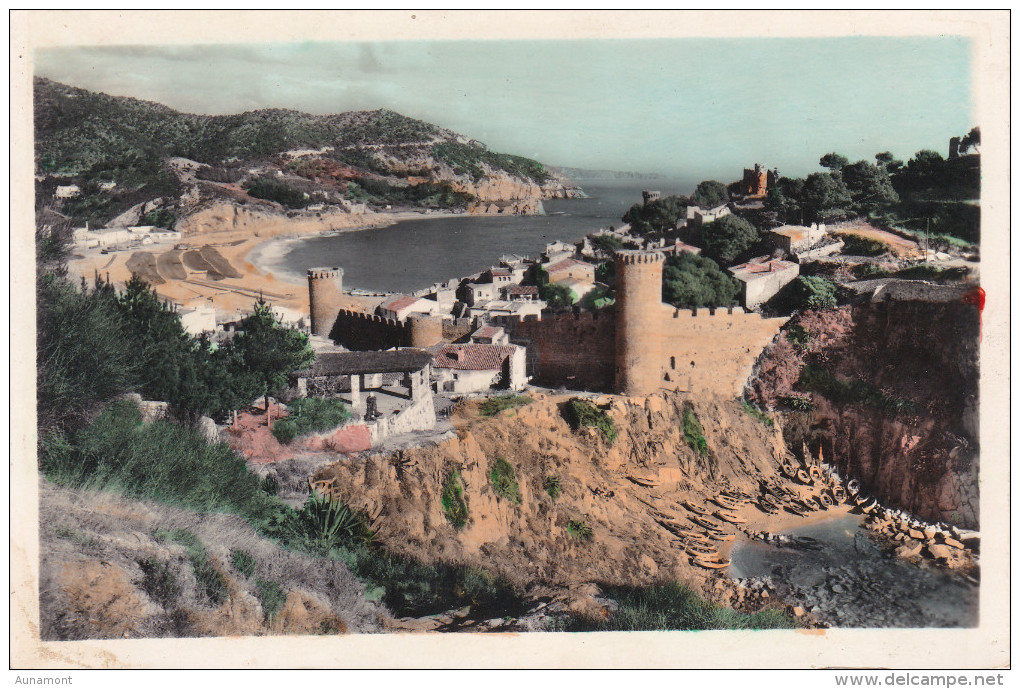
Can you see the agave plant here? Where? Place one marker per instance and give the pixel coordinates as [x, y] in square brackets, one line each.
[331, 521]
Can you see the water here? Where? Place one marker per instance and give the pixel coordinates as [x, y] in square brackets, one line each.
[414, 254]
[851, 582]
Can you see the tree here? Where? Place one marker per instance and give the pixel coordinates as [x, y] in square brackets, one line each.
[657, 216]
[557, 295]
[825, 197]
[693, 281]
[869, 185]
[971, 140]
[728, 237]
[710, 194]
[888, 161]
[783, 201]
[926, 165]
[270, 351]
[833, 161]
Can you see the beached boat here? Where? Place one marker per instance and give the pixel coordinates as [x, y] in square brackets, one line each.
[804, 477]
[853, 487]
[711, 564]
[730, 517]
[696, 509]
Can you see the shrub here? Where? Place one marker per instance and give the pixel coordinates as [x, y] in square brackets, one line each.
[285, 430]
[798, 335]
[159, 583]
[452, 499]
[868, 271]
[581, 413]
[930, 272]
[495, 405]
[757, 413]
[504, 480]
[310, 415]
[210, 581]
[579, 530]
[329, 522]
[673, 607]
[273, 190]
[243, 562]
[798, 402]
[553, 487]
[694, 281]
[855, 245]
[817, 379]
[694, 433]
[271, 596]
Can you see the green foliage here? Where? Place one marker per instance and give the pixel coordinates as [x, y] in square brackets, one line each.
[243, 562]
[210, 581]
[855, 245]
[869, 271]
[579, 530]
[426, 194]
[710, 194]
[161, 217]
[694, 434]
[495, 405]
[598, 298]
[833, 161]
[728, 237]
[694, 281]
[673, 607]
[757, 413]
[854, 392]
[552, 486]
[159, 583]
[159, 461]
[799, 402]
[467, 159]
[926, 271]
[825, 198]
[783, 201]
[557, 295]
[656, 216]
[816, 292]
[504, 480]
[452, 500]
[581, 413]
[798, 335]
[271, 596]
[328, 523]
[274, 190]
[869, 185]
[608, 244]
[310, 415]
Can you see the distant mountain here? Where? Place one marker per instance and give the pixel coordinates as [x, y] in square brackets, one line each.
[580, 174]
[92, 138]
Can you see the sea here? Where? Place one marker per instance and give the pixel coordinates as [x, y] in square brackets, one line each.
[414, 254]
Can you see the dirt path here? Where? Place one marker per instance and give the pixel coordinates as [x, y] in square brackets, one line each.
[901, 247]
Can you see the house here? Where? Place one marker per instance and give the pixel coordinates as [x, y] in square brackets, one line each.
[474, 367]
[68, 191]
[490, 334]
[699, 217]
[557, 251]
[761, 278]
[519, 293]
[678, 247]
[570, 268]
[500, 276]
[501, 309]
[400, 306]
[478, 293]
[796, 238]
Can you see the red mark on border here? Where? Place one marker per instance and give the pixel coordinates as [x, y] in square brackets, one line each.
[977, 298]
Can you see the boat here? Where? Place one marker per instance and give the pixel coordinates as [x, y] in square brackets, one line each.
[853, 487]
[804, 477]
[730, 517]
[815, 472]
[711, 564]
[696, 509]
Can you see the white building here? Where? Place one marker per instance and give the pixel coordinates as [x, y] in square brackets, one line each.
[68, 191]
[198, 318]
[401, 306]
[466, 368]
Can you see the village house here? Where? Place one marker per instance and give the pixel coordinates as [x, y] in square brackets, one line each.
[570, 268]
[678, 247]
[500, 276]
[519, 292]
[698, 217]
[68, 191]
[558, 251]
[477, 293]
[400, 306]
[499, 309]
[477, 367]
[490, 334]
[762, 278]
[796, 238]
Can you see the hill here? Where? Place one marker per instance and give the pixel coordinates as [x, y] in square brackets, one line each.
[294, 159]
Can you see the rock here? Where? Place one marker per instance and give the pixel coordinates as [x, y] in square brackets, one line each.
[953, 543]
[939, 552]
[836, 588]
[915, 534]
[906, 551]
[799, 612]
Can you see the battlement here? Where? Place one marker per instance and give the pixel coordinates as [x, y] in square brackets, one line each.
[632, 257]
[709, 311]
[325, 273]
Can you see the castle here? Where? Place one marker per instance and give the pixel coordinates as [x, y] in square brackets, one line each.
[638, 347]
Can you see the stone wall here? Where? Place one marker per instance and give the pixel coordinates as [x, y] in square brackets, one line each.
[576, 351]
[362, 332]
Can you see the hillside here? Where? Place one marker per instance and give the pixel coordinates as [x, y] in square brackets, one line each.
[176, 160]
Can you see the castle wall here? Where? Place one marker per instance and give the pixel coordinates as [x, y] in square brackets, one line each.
[361, 332]
[325, 294]
[576, 351]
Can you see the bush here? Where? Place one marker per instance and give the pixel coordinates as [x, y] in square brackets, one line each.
[798, 335]
[728, 237]
[693, 281]
[757, 413]
[210, 581]
[553, 487]
[817, 379]
[869, 271]
[495, 405]
[159, 583]
[694, 433]
[452, 499]
[673, 607]
[504, 480]
[328, 523]
[930, 272]
[285, 430]
[581, 413]
[855, 245]
[579, 530]
[274, 190]
[310, 415]
[798, 402]
[243, 562]
[271, 596]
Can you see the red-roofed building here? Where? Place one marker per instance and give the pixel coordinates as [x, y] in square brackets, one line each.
[465, 368]
[401, 306]
[490, 334]
[570, 268]
[520, 293]
[761, 278]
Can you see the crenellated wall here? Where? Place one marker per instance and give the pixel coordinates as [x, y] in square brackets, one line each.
[577, 351]
[362, 332]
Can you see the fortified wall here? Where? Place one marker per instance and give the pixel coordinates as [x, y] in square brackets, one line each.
[362, 332]
[574, 350]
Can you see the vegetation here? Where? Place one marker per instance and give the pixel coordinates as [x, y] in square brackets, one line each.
[325, 523]
[579, 530]
[468, 159]
[798, 335]
[814, 378]
[275, 190]
[159, 583]
[806, 292]
[426, 194]
[926, 271]
[656, 216]
[799, 402]
[709, 194]
[210, 582]
[727, 238]
[552, 486]
[694, 434]
[271, 596]
[757, 413]
[609, 244]
[691, 281]
[452, 500]
[557, 295]
[582, 413]
[310, 415]
[504, 481]
[495, 405]
[161, 217]
[243, 562]
[856, 245]
[673, 607]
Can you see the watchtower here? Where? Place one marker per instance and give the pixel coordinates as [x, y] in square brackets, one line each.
[639, 312]
[325, 291]
[425, 331]
[649, 196]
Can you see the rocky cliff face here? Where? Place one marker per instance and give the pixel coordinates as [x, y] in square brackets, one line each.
[228, 217]
[902, 416]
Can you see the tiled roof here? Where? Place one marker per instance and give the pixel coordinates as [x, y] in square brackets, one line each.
[487, 331]
[755, 269]
[471, 357]
[566, 264]
[503, 272]
[522, 289]
[794, 232]
[398, 303]
[347, 363]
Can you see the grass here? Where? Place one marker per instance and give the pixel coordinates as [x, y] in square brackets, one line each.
[757, 413]
[930, 272]
[271, 596]
[817, 379]
[495, 405]
[210, 581]
[243, 562]
[504, 481]
[553, 487]
[673, 607]
[579, 530]
[310, 415]
[159, 583]
[84, 540]
[582, 413]
[694, 434]
[799, 402]
[452, 499]
[855, 245]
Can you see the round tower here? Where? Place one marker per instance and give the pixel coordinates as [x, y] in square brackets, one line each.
[325, 289]
[425, 331]
[638, 321]
[648, 196]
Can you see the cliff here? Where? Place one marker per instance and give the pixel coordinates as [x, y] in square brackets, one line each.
[894, 392]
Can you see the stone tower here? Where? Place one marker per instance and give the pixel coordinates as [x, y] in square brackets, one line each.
[425, 331]
[649, 196]
[639, 315]
[325, 289]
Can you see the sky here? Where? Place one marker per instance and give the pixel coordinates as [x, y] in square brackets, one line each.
[688, 107]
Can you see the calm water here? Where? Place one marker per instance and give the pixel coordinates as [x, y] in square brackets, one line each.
[414, 254]
[851, 582]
